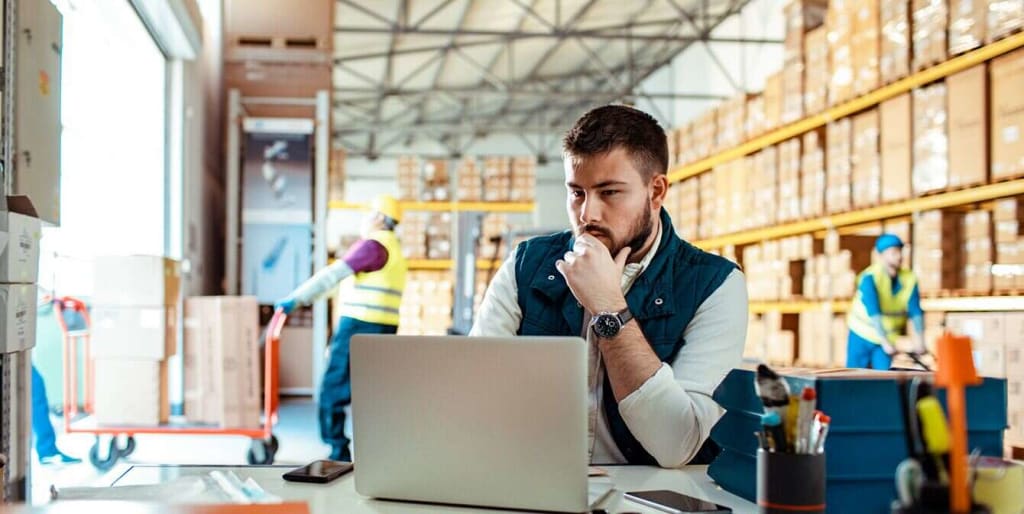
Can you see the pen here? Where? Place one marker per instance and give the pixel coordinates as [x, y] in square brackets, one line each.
[805, 418]
[776, 433]
[823, 422]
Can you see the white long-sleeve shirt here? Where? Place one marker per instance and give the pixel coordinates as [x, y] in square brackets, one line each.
[672, 413]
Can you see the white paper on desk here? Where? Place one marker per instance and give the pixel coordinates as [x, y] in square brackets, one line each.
[179, 490]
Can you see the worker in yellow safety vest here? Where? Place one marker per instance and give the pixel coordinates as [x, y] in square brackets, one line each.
[887, 295]
[379, 270]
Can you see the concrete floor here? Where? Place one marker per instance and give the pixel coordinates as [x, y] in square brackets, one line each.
[297, 432]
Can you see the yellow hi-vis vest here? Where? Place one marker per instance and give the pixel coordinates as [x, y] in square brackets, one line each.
[893, 307]
[376, 295]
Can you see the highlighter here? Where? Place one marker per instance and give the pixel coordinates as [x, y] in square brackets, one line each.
[933, 425]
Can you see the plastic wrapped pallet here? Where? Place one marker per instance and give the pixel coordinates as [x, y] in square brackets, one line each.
[789, 180]
[930, 21]
[837, 160]
[840, 34]
[967, 19]
[894, 61]
[866, 172]
[816, 76]
[931, 144]
[801, 16]
[812, 174]
[1004, 18]
[865, 46]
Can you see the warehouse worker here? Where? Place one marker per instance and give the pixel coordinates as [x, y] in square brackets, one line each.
[886, 296]
[372, 308]
[664, 321]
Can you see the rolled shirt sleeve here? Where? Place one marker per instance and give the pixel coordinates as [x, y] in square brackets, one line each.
[673, 412]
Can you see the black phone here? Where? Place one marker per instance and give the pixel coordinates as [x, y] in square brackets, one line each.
[319, 471]
[673, 502]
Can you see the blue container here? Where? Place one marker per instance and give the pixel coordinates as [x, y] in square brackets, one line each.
[865, 441]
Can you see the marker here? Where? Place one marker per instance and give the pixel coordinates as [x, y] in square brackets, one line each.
[773, 427]
[805, 417]
[823, 423]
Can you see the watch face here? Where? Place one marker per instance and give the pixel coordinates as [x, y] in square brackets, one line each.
[607, 325]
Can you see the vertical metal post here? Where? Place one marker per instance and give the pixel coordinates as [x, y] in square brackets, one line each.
[321, 160]
[232, 163]
[467, 227]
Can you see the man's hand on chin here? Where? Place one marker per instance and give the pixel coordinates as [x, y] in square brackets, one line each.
[594, 277]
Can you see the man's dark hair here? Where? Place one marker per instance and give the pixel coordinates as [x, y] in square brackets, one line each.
[617, 126]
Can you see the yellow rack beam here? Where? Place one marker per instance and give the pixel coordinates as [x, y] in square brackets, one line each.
[871, 99]
[447, 264]
[445, 206]
[882, 212]
[950, 304]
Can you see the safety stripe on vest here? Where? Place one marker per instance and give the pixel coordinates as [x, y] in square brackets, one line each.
[384, 290]
[373, 307]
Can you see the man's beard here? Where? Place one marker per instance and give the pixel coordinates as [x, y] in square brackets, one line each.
[638, 234]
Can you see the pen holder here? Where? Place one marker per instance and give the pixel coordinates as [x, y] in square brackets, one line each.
[790, 482]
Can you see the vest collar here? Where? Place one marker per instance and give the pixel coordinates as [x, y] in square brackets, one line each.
[647, 298]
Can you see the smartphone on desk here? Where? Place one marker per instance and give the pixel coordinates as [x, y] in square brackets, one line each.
[319, 471]
[673, 502]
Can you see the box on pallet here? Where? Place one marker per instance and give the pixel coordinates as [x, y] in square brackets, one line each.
[840, 35]
[896, 147]
[931, 140]
[929, 20]
[1007, 115]
[894, 62]
[865, 46]
[837, 159]
[866, 170]
[19, 254]
[222, 361]
[967, 20]
[968, 127]
[1004, 18]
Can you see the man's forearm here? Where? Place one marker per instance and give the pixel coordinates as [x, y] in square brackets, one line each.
[321, 282]
[629, 360]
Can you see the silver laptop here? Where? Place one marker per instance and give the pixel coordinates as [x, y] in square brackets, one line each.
[495, 422]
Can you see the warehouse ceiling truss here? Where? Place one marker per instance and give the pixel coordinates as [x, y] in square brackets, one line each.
[457, 71]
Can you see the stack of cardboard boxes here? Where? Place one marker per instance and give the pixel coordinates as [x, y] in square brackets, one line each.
[470, 181]
[816, 72]
[730, 123]
[765, 186]
[897, 146]
[756, 123]
[866, 162]
[782, 337]
[840, 40]
[789, 180]
[822, 338]
[19, 271]
[977, 252]
[937, 257]
[832, 273]
[812, 174]
[1004, 18]
[773, 100]
[705, 133]
[931, 143]
[968, 127]
[524, 179]
[413, 235]
[801, 16]
[1007, 115]
[436, 183]
[894, 61]
[707, 205]
[426, 307]
[865, 45]
[134, 331]
[685, 144]
[408, 177]
[687, 210]
[222, 361]
[672, 139]
[967, 20]
[493, 226]
[1008, 221]
[838, 173]
[439, 235]
[497, 179]
[775, 269]
[929, 21]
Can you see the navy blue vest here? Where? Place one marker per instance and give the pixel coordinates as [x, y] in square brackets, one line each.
[663, 299]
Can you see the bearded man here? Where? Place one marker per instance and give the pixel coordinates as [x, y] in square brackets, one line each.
[664, 321]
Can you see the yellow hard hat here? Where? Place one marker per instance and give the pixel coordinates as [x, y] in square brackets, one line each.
[388, 206]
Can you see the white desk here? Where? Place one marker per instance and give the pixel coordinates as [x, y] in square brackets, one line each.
[340, 495]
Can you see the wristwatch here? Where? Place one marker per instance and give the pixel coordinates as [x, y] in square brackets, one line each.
[607, 325]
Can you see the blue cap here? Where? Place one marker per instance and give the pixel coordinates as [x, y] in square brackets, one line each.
[886, 241]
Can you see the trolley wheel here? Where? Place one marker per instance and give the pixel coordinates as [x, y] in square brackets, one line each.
[129, 446]
[262, 451]
[108, 461]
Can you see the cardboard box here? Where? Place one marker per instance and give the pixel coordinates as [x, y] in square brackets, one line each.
[792, 91]
[816, 71]
[136, 281]
[840, 35]
[865, 46]
[930, 20]
[894, 62]
[866, 172]
[1014, 322]
[801, 16]
[134, 332]
[967, 20]
[984, 328]
[20, 232]
[131, 392]
[968, 127]
[931, 142]
[222, 361]
[839, 139]
[1007, 115]
[1004, 18]
[773, 94]
[896, 148]
[17, 317]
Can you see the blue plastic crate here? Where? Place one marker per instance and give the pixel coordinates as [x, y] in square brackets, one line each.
[865, 444]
